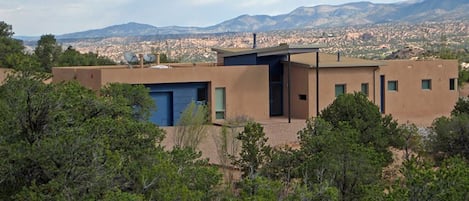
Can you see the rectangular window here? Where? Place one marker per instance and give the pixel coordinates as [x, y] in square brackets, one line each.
[302, 96]
[427, 84]
[339, 89]
[220, 103]
[365, 88]
[452, 84]
[392, 85]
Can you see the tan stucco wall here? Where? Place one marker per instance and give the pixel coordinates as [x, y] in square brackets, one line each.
[299, 85]
[352, 77]
[246, 87]
[413, 104]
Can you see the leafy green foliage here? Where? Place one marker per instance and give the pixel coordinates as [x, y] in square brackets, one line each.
[71, 57]
[259, 189]
[334, 155]
[166, 59]
[63, 142]
[191, 128]
[48, 52]
[133, 96]
[422, 181]
[364, 116]
[5, 30]
[461, 107]
[10, 48]
[254, 150]
[450, 137]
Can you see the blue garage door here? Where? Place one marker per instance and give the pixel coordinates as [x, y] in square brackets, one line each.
[163, 116]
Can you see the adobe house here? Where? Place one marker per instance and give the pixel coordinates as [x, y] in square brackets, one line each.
[284, 81]
[228, 92]
[411, 91]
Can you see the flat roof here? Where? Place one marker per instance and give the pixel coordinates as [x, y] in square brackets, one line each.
[277, 50]
[332, 61]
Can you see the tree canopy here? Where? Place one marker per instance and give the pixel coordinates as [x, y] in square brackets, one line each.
[63, 142]
[47, 54]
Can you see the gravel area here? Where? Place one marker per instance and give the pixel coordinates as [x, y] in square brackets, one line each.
[277, 129]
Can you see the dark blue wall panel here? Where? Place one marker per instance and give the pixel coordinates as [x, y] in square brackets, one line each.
[249, 59]
[182, 95]
[164, 115]
[275, 82]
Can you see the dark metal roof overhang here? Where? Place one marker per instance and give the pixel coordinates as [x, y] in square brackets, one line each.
[270, 51]
[289, 49]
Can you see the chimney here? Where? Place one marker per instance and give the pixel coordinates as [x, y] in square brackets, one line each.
[254, 45]
[140, 56]
[158, 58]
[338, 56]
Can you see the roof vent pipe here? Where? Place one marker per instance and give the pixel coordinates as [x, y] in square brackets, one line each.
[254, 45]
[338, 56]
[158, 58]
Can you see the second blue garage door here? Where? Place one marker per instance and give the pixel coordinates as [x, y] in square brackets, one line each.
[163, 116]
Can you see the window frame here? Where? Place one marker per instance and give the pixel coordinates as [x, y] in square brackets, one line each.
[220, 107]
[426, 84]
[453, 84]
[367, 92]
[344, 89]
[396, 85]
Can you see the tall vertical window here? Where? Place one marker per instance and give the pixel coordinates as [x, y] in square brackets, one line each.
[452, 84]
[427, 84]
[364, 89]
[220, 103]
[339, 89]
[392, 85]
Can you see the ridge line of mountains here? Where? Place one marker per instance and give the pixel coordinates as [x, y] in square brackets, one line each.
[321, 16]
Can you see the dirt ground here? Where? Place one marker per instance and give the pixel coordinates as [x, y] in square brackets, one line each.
[278, 131]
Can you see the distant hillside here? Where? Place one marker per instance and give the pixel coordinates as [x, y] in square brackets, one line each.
[358, 13]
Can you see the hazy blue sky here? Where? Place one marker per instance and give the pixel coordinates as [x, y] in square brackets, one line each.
[37, 17]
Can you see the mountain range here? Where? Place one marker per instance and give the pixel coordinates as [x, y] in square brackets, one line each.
[350, 14]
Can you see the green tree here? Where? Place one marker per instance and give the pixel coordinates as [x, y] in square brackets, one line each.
[364, 116]
[423, 181]
[254, 150]
[191, 128]
[6, 30]
[132, 96]
[71, 57]
[165, 59]
[47, 52]
[10, 49]
[461, 107]
[450, 137]
[63, 142]
[335, 155]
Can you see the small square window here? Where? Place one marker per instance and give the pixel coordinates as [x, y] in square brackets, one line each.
[452, 84]
[364, 89]
[339, 89]
[392, 85]
[427, 84]
[302, 96]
